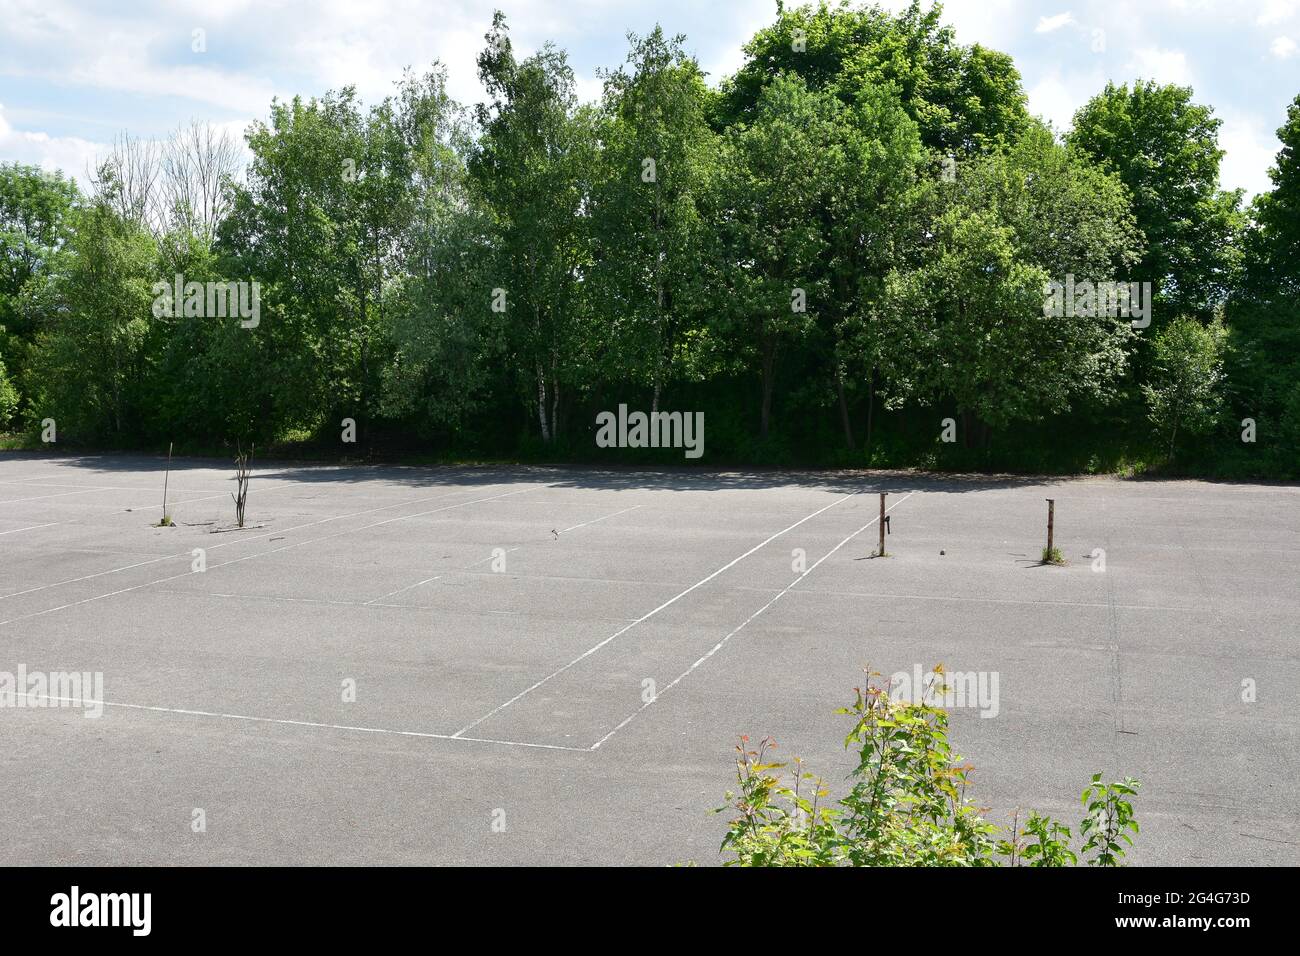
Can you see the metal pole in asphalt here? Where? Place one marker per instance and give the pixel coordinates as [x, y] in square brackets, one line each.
[881, 552]
[1051, 517]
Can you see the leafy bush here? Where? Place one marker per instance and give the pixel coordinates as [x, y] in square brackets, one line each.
[1185, 394]
[8, 397]
[907, 805]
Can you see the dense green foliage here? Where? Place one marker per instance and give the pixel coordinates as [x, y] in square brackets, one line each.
[1165, 149]
[839, 254]
[907, 804]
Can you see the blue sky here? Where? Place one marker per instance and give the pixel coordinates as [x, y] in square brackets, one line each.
[75, 74]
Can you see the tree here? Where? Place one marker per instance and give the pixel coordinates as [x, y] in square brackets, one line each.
[1184, 394]
[446, 345]
[8, 398]
[968, 322]
[89, 360]
[532, 169]
[1164, 148]
[873, 220]
[1262, 358]
[198, 165]
[321, 221]
[36, 209]
[778, 170]
[657, 165]
[1274, 239]
[964, 99]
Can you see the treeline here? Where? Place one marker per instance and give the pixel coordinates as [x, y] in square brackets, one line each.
[839, 254]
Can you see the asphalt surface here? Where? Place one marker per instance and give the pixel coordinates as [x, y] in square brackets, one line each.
[551, 666]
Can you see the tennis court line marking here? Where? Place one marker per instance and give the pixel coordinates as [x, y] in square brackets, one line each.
[225, 544]
[594, 520]
[62, 494]
[645, 617]
[141, 488]
[52, 484]
[718, 646]
[871, 595]
[30, 528]
[261, 490]
[259, 554]
[485, 560]
[342, 603]
[303, 723]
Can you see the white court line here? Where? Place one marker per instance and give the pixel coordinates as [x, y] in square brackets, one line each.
[50, 484]
[302, 723]
[226, 544]
[259, 554]
[594, 520]
[31, 528]
[261, 490]
[718, 646]
[415, 585]
[872, 595]
[673, 600]
[343, 603]
[475, 564]
[62, 494]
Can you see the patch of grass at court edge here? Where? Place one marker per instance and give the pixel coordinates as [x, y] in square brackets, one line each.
[1053, 556]
[907, 805]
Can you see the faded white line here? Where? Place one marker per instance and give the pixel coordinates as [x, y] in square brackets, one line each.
[645, 617]
[31, 527]
[402, 590]
[259, 554]
[718, 646]
[871, 595]
[475, 564]
[602, 518]
[302, 723]
[226, 544]
[261, 490]
[62, 494]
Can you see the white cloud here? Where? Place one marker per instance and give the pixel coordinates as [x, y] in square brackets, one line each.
[741, 25]
[994, 23]
[1163, 66]
[76, 157]
[1282, 47]
[1250, 148]
[73, 156]
[1275, 11]
[588, 89]
[1050, 24]
[1056, 97]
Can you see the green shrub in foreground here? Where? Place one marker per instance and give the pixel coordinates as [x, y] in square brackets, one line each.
[907, 806]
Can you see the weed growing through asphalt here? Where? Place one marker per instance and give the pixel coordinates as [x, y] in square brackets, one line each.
[908, 805]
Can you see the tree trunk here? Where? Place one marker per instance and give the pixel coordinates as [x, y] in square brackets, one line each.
[844, 412]
[541, 405]
[871, 404]
[769, 364]
[555, 407]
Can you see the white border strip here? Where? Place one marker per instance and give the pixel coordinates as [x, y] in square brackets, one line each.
[30, 528]
[302, 723]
